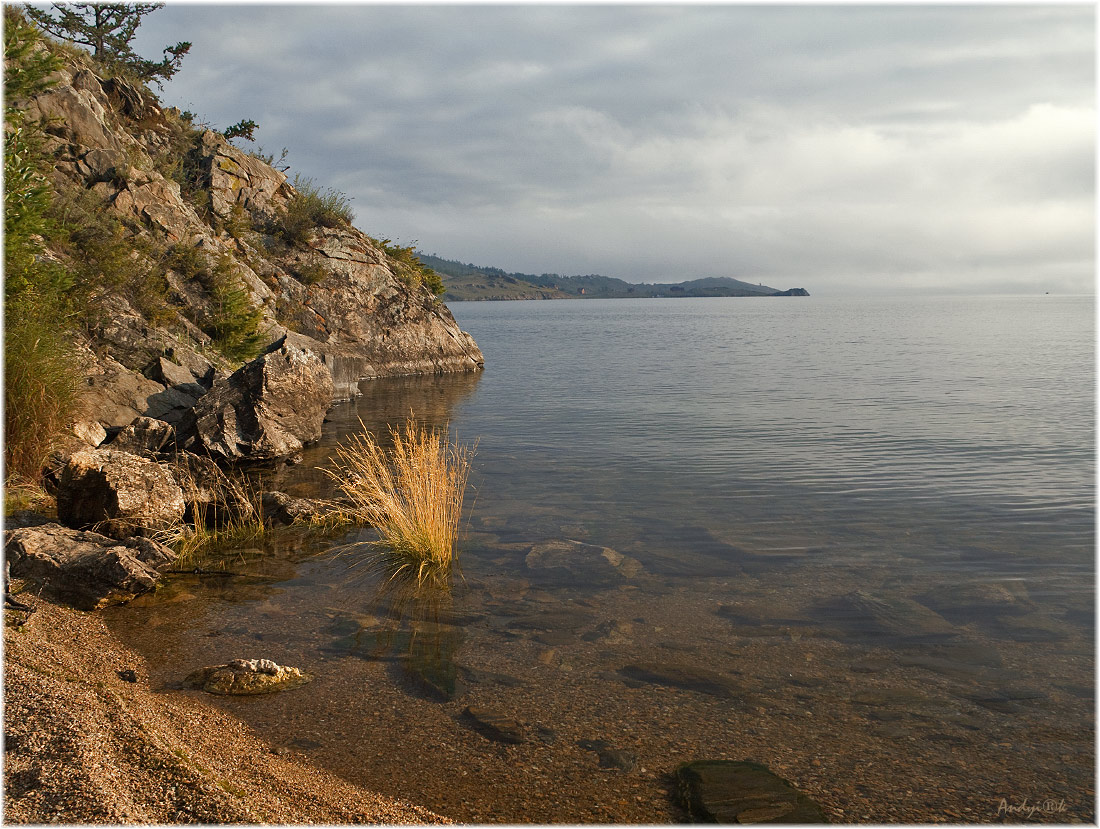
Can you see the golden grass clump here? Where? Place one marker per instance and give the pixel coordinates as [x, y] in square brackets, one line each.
[411, 493]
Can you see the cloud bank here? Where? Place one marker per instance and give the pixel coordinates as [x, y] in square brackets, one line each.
[898, 148]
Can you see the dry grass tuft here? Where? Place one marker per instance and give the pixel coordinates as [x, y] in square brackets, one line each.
[412, 494]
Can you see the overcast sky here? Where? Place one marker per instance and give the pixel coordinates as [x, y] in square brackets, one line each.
[896, 148]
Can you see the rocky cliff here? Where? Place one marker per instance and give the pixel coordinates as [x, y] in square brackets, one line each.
[220, 245]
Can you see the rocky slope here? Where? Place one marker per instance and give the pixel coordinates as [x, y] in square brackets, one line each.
[208, 226]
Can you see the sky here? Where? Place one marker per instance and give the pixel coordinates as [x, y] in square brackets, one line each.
[841, 149]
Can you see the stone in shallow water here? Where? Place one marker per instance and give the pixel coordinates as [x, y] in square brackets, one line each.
[494, 726]
[893, 617]
[731, 791]
[574, 562]
[678, 675]
[246, 677]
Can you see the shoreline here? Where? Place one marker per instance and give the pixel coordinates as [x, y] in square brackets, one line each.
[82, 745]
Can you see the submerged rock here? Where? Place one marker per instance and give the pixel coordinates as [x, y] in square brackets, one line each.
[85, 569]
[246, 677]
[495, 726]
[574, 562]
[687, 677]
[118, 494]
[894, 617]
[731, 791]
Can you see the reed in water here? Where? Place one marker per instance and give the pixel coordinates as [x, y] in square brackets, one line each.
[412, 493]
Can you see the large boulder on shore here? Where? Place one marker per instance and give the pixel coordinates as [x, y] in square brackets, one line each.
[118, 494]
[85, 569]
[268, 409]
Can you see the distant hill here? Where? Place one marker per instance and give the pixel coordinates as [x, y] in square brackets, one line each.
[473, 282]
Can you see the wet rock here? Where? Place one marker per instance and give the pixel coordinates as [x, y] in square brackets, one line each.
[1006, 700]
[268, 409]
[128, 675]
[683, 676]
[574, 562]
[979, 601]
[246, 677]
[893, 617]
[477, 676]
[494, 726]
[611, 632]
[118, 494]
[85, 569]
[609, 757]
[565, 618]
[144, 436]
[730, 791]
[1033, 627]
[280, 508]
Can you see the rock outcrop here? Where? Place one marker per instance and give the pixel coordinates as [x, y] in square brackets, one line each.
[85, 569]
[268, 409]
[118, 494]
[183, 195]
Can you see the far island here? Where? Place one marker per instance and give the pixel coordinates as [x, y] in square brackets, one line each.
[465, 282]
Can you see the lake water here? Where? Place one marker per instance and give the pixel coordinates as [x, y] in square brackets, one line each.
[852, 539]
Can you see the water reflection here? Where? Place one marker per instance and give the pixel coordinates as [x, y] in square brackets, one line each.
[408, 620]
[432, 400]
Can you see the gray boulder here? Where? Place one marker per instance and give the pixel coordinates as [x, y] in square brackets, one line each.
[85, 569]
[118, 494]
[145, 435]
[268, 409]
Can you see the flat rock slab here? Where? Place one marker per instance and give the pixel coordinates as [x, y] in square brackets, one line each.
[85, 569]
[494, 726]
[687, 677]
[246, 677]
[731, 791]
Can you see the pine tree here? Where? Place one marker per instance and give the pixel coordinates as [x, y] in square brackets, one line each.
[107, 29]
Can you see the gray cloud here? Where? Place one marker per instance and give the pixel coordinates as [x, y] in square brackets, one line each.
[835, 148]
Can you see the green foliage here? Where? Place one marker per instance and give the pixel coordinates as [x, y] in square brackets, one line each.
[41, 375]
[408, 267]
[42, 383]
[242, 129]
[310, 273]
[106, 259]
[311, 208]
[235, 322]
[108, 29]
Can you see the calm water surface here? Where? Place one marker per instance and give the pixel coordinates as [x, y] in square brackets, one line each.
[873, 518]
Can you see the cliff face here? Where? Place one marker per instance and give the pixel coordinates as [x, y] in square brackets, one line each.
[214, 227]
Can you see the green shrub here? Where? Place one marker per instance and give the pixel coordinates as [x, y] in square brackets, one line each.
[42, 384]
[235, 322]
[310, 273]
[409, 269]
[311, 208]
